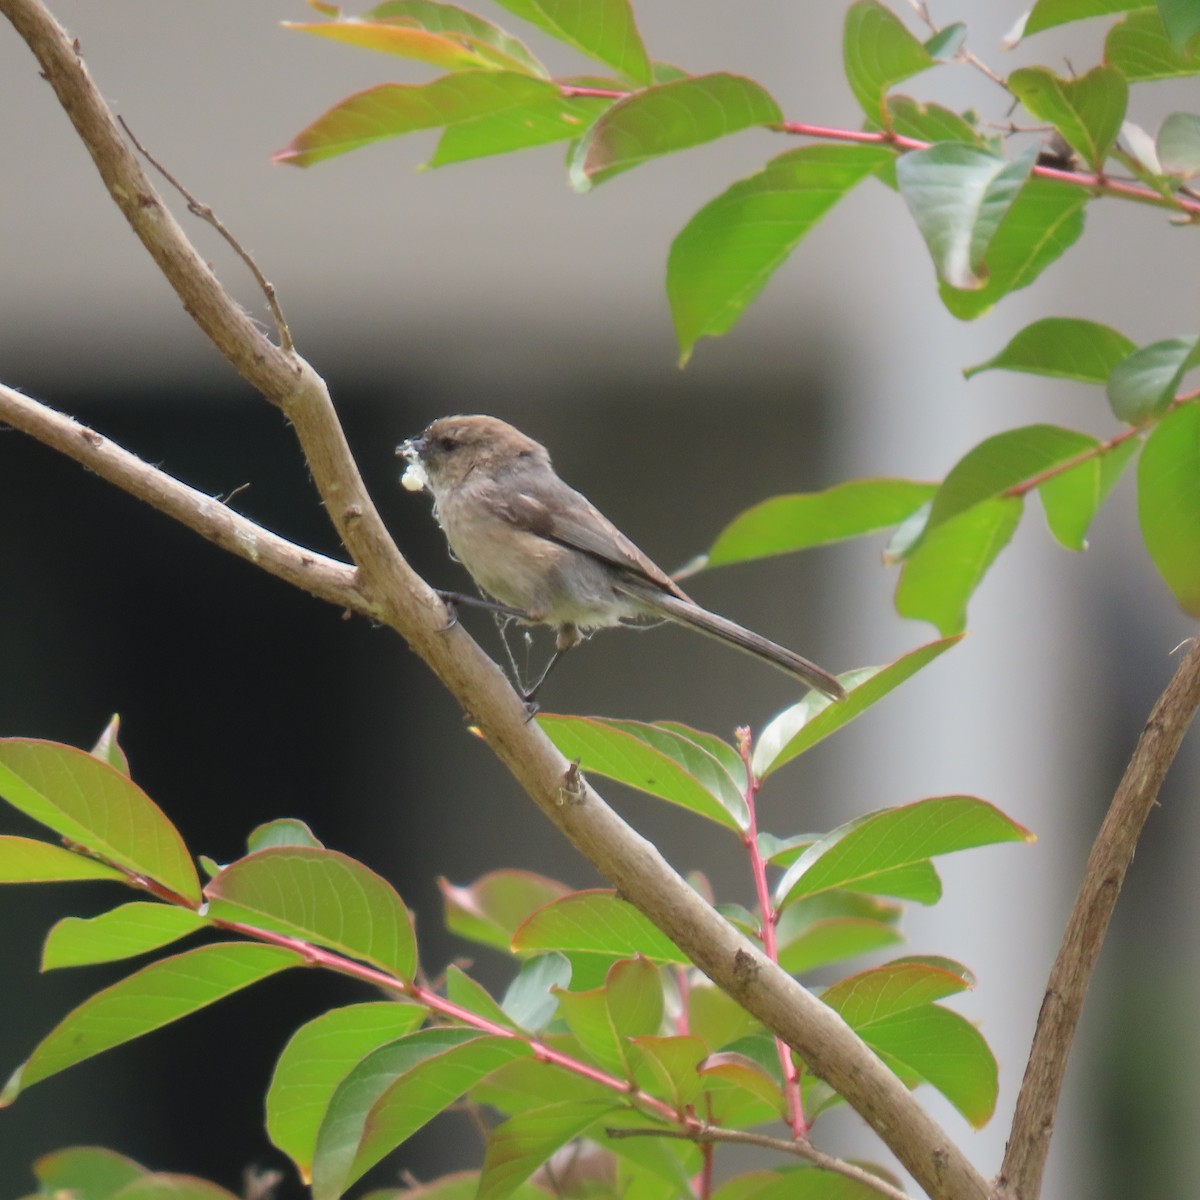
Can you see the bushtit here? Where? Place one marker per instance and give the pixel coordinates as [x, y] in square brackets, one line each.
[537, 546]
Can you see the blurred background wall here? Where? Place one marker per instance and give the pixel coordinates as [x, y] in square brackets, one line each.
[491, 287]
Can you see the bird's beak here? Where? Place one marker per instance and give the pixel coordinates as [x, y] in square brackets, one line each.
[414, 478]
[410, 450]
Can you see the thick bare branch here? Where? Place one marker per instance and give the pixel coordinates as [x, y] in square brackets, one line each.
[1112, 852]
[399, 598]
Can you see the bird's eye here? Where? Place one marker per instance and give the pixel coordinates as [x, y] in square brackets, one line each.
[446, 442]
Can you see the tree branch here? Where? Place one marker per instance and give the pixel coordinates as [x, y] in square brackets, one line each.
[1033, 1122]
[396, 596]
[325, 578]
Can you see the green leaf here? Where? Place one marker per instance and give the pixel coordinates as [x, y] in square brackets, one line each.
[715, 1018]
[1169, 502]
[634, 998]
[318, 896]
[653, 760]
[107, 749]
[602, 29]
[723, 256]
[720, 749]
[1142, 386]
[944, 1050]
[1087, 111]
[395, 1091]
[928, 122]
[670, 1067]
[518, 1146]
[596, 922]
[1063, 348]
[147, 1000]
[1178, 144]
[490, 909]
[530, 1000]
[1002, 463]
[464, 991]
[896, 987]
[1140, 48]
[96, 807]
[587, 1017]
[896, 837]
[120, 933]
[1045, 220]
[318, 1056]
[784, 524]
[944, 45]
[1181, 20]
[1072, 498]
[393, 109]
[723, 1074]
[878, 52]
[85, 1173]
[665, 118]
[1046, 14]
[939, 577]
[408, 41]
[823, 943]
[27, 860]
[554, 118]
[165, 1186]
[959, 194]
[802, 726]
[287, 831]
[455, 22]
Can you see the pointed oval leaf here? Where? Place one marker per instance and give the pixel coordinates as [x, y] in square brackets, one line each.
[1003, 462]
[406, 41]
[394, 1092]
[287, 831]
[1181, 20]
[586, 1015]
[1062, 348]
[940, 575]
[1072, 498]
[802, 726]
[319, 896]
[1142, 386]
[670, 1066]
[164, 1186]
[1141, 49]
[723, 257]
[653, 760]
[720, 1072]
[147, 1000]
[898, 987]
[27, 860]
[596, 922]
[877, 53]
[784, 524]
[715, 1018]
[530, 1000]
[499, 46]
[490, 909]
[518, 1146]
[1046, 14]
[393, 109]
[931, 122]
[823, 943]
[1178, 145]
[318, 1056]
[895, 837]
[958, 195]
[602, 29]
[135, 928]
[86, 1172]
[97, 807]
[668, 117]
[1045, 220]
[946, 1051]
[472, 996]
[1086, 111]
[108, 749]
[1169, 502]
[634, 996]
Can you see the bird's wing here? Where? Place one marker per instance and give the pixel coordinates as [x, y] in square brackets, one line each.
[569, 519]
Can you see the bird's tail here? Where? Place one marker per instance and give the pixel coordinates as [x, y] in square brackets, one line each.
[684, 612]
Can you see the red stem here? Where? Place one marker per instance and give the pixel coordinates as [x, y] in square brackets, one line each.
[770, 917]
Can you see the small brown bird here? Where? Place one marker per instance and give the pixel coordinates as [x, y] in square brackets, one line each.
[538, 547]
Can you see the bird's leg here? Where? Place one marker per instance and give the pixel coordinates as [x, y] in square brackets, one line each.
[567, 637]
[454, 600]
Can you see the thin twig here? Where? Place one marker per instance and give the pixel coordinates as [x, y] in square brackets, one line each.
[799, 1148]
[1033, 1123]
[205, 213]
